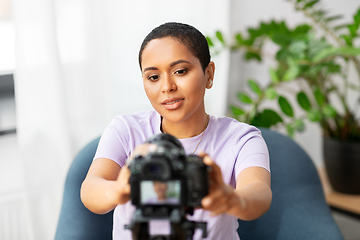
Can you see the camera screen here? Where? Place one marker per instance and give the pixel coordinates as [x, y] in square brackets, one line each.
[160, 192]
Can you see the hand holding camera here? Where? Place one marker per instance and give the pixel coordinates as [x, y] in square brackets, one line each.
[125, 173]
[221, 197]
[166, 184]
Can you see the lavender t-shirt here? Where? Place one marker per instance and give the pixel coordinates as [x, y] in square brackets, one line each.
[233, 145]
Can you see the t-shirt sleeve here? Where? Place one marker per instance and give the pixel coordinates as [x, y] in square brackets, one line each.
[253, 152]
[111, 145]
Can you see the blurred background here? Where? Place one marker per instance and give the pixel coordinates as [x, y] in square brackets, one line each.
[68, 67]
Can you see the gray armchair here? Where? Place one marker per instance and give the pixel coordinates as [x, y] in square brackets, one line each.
[298, 210]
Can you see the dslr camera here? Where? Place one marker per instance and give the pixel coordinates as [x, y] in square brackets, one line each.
[167, 184]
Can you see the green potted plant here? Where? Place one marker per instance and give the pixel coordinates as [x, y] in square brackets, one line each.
[311, 65]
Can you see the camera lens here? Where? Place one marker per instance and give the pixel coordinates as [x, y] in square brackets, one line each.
[155, 168]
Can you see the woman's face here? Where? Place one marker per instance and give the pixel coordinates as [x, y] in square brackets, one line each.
[174, 80]
[160, 189]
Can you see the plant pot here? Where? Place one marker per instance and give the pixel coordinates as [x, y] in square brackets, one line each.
[342, 164]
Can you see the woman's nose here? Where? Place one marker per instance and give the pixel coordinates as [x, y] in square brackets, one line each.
[169, 84]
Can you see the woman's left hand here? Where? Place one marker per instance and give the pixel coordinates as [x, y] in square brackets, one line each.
[222, 197]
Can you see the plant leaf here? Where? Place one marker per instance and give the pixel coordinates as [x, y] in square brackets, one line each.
[348, 39]
[349, 51]
[285, 106]
[332, 67]
[210, 43]
[281, 39]
[290, 130]
[236, 110]
[319, 97]
[310, 4]
[273, 75]
[292, 72]
[272, 116]
[315, 46]
[314, 115]
[319, 13]
[303, 101]
[299, 125]
[353, 28]
[239, 39]
[254, 33]
[251, 55]
[297, 49]
[243, 97]
[339, 27]
[357, 17]
[267, 118]
[301, 30]
[329, 111]
[220, 37]
[270, 93]
[329, 19]
[255, 87]
[324, 53]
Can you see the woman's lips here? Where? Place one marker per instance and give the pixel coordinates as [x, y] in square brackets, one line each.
[172, 103]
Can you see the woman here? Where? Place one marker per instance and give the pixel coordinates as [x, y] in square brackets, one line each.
[176, 70]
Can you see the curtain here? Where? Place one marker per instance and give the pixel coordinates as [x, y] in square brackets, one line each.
[76, 68]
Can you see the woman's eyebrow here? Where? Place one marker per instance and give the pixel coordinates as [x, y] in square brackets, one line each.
[150, 68]
[178, 62]
[171, 65]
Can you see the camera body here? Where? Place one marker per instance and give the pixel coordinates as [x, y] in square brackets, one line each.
[166, 184]
[185, 177]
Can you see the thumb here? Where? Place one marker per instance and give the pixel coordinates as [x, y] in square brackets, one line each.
[215, 172]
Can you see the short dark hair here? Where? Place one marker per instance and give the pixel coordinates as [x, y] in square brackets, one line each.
[192, 38]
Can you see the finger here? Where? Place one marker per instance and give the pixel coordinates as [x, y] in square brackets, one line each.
[217, 197]
[125, 193]
[208, 161]
[202, 154]
[206, 158]
[125, 188]
[224, 203]
[217, 206]
[142, 150]
[123, 179]
[215, 172]
[209, 202]
[125, 173]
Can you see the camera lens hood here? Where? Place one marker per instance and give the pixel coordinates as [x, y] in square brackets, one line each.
[164, 137]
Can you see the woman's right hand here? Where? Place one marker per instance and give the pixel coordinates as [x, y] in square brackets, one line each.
[107, 184]
[123, 184]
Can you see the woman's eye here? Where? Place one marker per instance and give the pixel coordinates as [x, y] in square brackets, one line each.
[153, 78]
[181, 71]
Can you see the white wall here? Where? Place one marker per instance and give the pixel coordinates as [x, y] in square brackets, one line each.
[77, 68]
[246, 14]
[101, 58]
[87, 51]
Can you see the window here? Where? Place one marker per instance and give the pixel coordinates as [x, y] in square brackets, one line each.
[7, 66]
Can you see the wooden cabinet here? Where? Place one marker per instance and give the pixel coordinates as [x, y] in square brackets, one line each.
[345, 202]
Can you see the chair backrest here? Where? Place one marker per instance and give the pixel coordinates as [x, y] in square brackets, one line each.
[298, 209]
[75, 221]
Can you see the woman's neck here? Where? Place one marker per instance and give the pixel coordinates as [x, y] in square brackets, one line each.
[186, 129]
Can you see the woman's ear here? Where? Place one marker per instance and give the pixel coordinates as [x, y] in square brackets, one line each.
[209, 73]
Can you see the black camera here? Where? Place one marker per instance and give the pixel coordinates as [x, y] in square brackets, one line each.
[167, 184]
